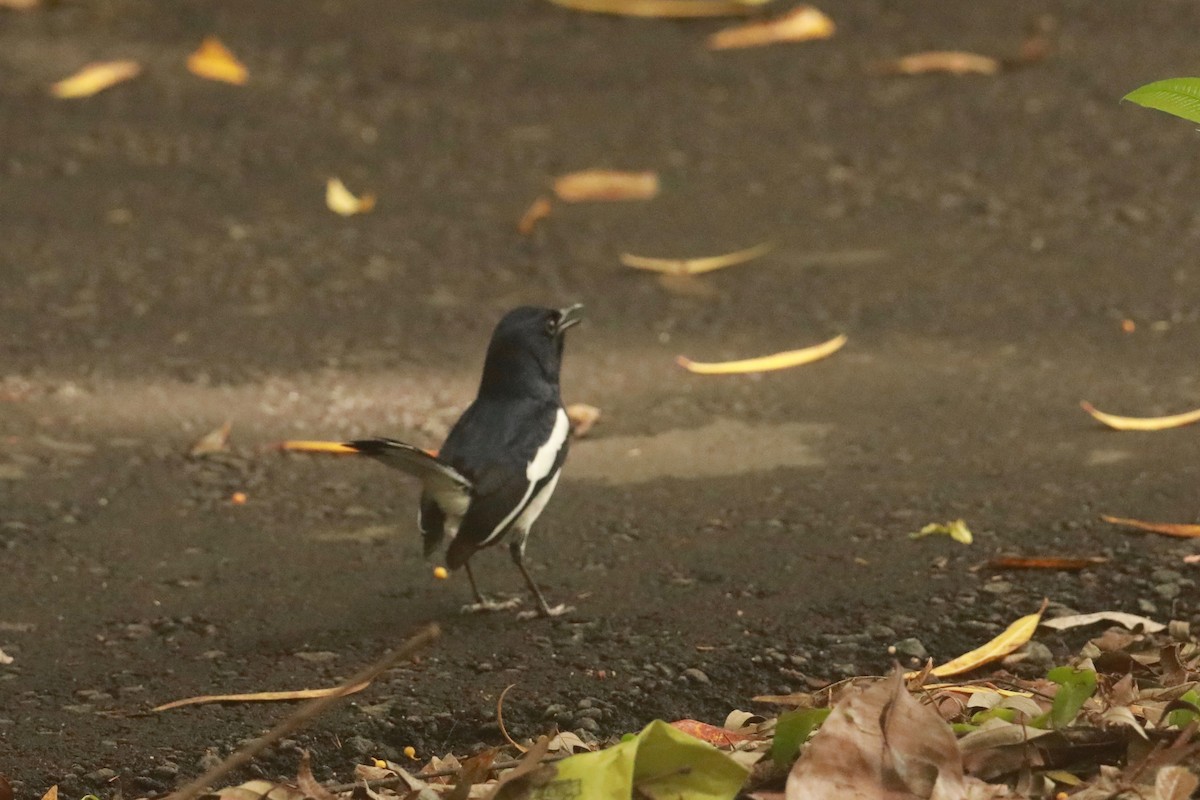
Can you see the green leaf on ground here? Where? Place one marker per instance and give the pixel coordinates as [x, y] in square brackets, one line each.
[1182, 717]
[956, 530]
[1075, 687]
[658, 763]
[1178, 96]
[792, 730]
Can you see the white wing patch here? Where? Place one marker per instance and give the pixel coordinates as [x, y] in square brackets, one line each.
[536, 471]
[534, 509]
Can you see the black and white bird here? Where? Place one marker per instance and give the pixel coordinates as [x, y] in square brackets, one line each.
[501, 461]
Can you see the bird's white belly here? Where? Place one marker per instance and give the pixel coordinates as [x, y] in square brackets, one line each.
[534, 509]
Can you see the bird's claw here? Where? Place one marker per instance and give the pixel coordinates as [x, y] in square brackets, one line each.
[548, 612]
[484, 605]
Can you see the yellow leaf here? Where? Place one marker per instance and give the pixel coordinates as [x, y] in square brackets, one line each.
[582, 418]
[1013, 637]
[955, 62]
[51, 793]
[537, 211]
[310, 446]
[677, 9]
[801, 24]
[215, 441]
[342, 202]
[695, 266]
[212, 60]
[262, 697]
[606, 184]
[1179, 529]
[95, 78]
[1142, 423]
[791, 358]
[956, 530]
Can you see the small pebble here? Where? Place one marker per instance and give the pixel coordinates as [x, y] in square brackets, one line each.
[696, 676]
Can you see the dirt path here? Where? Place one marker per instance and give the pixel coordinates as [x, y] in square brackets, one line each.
[168, 263]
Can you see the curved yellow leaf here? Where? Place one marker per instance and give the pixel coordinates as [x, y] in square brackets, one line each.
[213, 60]
[263, 697]
[95, 78]
[676, 9]
[801, 24]
[342, 201]
[606, 185]
[1183, 530]
[1142, 423]
[695, 266]
[1013, 637]
[791, 358]
[310, 446]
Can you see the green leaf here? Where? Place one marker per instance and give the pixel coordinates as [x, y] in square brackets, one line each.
[1075, 687]
[1181, 717]
[660, 762]
[1178, 96]
[1006, 714]
[792, 730]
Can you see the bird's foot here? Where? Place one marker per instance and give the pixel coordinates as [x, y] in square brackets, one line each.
[484, 605]
[547, 612]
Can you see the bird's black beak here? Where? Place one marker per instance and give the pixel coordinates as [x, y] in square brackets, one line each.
[571, 315]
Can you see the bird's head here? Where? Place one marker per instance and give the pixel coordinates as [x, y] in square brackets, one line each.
[526, 349]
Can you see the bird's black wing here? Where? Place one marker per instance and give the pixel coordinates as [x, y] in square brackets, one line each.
[496, 444]
[443, 484]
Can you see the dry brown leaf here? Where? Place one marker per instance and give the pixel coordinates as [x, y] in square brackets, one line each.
[671, 9]
[1179, 529]
[879, 744]
[5, 659]
[313, 446]
[801, 24]
[306, 783]
[1013, 637]
[261, 697]
[212, 60]
[19, 5]
[51, 793]
[1175, 783]
[538, 210]
[582, 417]
[1142, 423]
[95, 78]
[605, 185]
[257, 790]
[791, 358]
[215, 441]
[955, 62]
[342, 202]
[695, 266]
[1130, 621]
[6, 790]
[1045, 562]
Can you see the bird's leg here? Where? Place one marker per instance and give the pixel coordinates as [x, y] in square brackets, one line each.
[516, 548]
[482, 603]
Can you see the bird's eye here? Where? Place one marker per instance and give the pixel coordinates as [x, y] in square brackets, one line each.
[551, 326]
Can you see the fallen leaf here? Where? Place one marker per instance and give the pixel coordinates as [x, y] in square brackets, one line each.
[792, 730]
[527, 772]
[791, 358]
[606, 185]
[314, 446]
[95, 78]
[51, 793]
[215, 441]
[340, 200]
[1013, 637]
[261, 697]
[1045, 562]
[801, 24]
[717, 737]
[538, 210]
[256, 790]
[955, 62]
[1182, 530]
[306, 783]
[582, 417]
[19, 5]
[955, 529]
[212, 60]
[1130, 621]
[675, 9]
[1192, 559]
[879, 744]
[6, 790]
[1175, 783]
[695, 266]
[5, 659]
[1177, 96]
[1142, 423]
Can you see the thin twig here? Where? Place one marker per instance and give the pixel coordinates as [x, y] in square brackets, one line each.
[306, 714]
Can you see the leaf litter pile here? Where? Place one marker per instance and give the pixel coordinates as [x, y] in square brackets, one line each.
[1119, 720]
